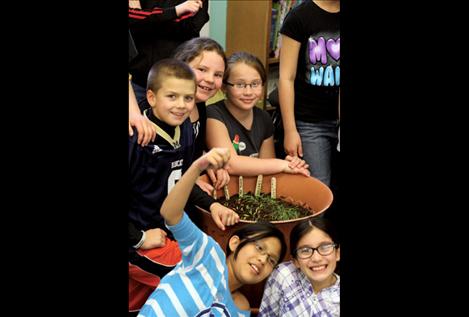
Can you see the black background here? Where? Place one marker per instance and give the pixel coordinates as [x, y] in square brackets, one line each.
[403, 94]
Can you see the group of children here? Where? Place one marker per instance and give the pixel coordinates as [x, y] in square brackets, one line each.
[175, 269]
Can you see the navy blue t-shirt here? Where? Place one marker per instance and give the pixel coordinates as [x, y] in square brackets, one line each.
[153, 170]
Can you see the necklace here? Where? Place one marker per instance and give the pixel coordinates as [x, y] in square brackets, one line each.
[173, 141]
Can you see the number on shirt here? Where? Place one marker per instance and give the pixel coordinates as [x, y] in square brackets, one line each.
[173, 178]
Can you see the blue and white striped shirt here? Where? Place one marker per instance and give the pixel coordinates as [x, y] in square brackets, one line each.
[198, 285]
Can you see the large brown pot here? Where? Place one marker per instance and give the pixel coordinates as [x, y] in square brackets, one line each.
[308, 190]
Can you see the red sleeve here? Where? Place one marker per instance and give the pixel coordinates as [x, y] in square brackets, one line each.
[155, 15]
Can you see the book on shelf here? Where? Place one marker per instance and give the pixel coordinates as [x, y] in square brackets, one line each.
[280, 9]
[275, 27]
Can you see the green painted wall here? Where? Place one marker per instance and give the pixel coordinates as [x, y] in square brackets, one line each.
[217, 30]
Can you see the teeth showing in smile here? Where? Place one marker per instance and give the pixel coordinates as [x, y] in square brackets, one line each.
[318, 268]
[255, 268]
[205, 88]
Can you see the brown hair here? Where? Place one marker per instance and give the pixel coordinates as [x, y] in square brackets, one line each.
[255, 232]
[248, 59]
[168, 67]
[303, 228]
[189, 50]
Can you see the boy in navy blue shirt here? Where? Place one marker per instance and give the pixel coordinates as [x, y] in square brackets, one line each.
[153, 171]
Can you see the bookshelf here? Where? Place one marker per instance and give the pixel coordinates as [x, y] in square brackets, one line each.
[254, 26]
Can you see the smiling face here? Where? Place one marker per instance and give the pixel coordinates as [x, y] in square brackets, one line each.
[255, 261]
[208, 68]
[247, 97]
[173, 101]
[318, 268]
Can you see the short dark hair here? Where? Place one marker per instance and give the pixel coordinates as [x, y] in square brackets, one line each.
[168, 67]
[304, 227]
[248, 59]
[189, 50]
[255, 232]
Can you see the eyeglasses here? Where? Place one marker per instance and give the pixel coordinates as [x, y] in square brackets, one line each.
[260, 249]
[307, 252]
[253, 85]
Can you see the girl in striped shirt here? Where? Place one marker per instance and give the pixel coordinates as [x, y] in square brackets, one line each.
[206, 282]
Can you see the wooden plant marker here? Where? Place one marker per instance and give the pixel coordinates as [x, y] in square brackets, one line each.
[241, 187]
[273, 188]
[258, 185]
[227, 193]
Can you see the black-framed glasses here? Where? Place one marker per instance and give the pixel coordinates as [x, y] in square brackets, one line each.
[261, 250]
[307, 252]
[253, 85]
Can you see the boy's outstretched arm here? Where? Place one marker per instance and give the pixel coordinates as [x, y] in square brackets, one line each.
[173, 205]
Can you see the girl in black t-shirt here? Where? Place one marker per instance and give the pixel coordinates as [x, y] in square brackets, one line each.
[236, 123]
[309, 83]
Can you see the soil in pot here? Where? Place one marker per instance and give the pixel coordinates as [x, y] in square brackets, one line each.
[264, 207]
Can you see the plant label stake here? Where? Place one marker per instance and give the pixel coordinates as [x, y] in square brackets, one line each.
[241, 189]
[258, 185]
[273, 188]
[227, 193]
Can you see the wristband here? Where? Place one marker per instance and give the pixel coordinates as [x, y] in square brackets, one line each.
[142, 240]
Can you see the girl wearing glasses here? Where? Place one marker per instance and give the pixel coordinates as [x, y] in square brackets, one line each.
[306, 285]
[236, 123]
[206, 281]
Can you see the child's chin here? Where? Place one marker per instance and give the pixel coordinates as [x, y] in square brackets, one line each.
[176, 122]
[203, 97]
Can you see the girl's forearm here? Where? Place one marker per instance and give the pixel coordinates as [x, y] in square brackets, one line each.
[173, 205]
[252, 166]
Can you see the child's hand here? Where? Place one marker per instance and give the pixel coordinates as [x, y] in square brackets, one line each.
[295, 170]
[292, 143]
[216, 158]
[145, 130]
[219, 178]
[304, 171]
[135, 4]
[296, 162]
[206, 187]
[223, 216]
[154, 238]
[190, 6]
